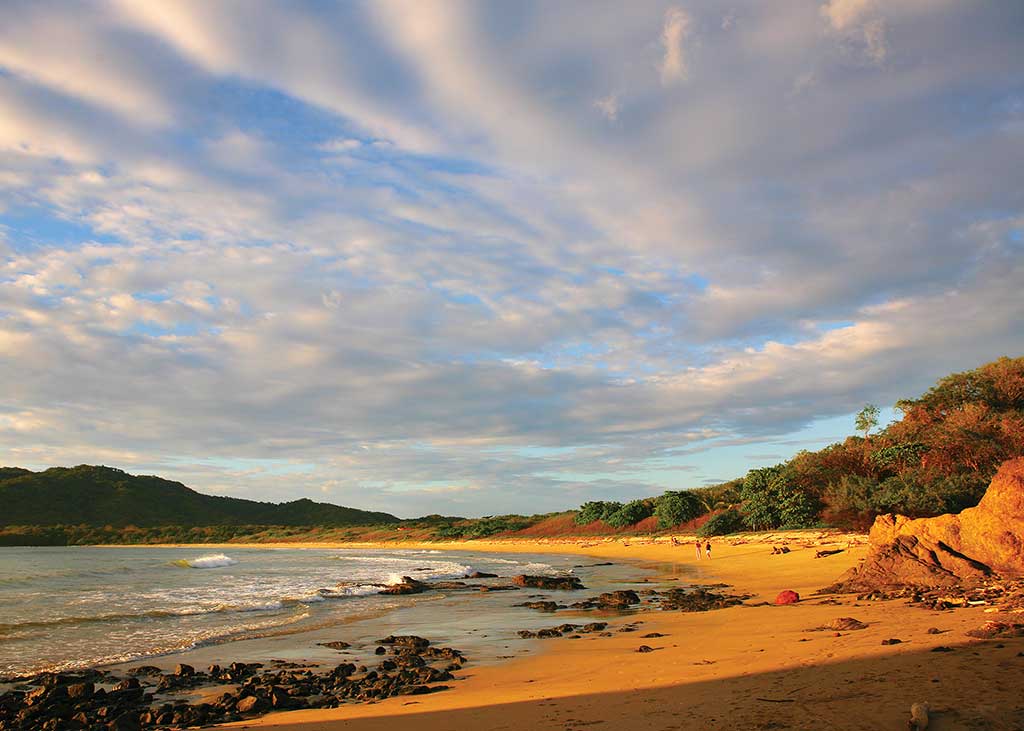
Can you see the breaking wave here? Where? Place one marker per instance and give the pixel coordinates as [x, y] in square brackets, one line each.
[213, 561]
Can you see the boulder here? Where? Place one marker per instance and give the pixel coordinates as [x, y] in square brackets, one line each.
[618, 599]
[846, 624]
[249, 704]
[947, 550]
[787, 597]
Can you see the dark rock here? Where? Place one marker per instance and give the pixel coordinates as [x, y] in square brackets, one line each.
[405, 641]
[645, 648]
[125, 722]
[184, 671]
[652, 635]
[697, 600]
[83, 690]
[542, 606]
[409, 585]
[380, 650]
[250, 704]
[336, 645]
[548, 583]
[617, 599]
[481, 575]
[146, 670]
[279, 697]
[892, 641]
[1002, 630]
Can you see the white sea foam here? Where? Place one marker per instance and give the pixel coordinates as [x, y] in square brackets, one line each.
[213, 561]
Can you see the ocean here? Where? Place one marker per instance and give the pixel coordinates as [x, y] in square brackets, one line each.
[64, 608]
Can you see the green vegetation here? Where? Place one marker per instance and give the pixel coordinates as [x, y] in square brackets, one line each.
[630, 514]
[867, 419]
[101, 496]
[468, 528]
[596, 510]
[675, 508]
[722, 524]
[938, 458]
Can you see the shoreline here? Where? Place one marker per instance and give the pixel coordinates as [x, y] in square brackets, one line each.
[742, 667]
[753, 666]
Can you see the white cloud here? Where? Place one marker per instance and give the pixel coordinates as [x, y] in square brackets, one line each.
[845, 14]
[675, 31]
[608, 106]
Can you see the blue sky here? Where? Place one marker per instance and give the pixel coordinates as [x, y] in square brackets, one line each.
[487, 257]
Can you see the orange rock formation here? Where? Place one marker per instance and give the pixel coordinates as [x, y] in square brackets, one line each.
[948, 549]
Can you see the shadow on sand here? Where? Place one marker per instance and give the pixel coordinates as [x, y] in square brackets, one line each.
[974, 686]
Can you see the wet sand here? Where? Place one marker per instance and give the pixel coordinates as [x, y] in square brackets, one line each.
[748, 667]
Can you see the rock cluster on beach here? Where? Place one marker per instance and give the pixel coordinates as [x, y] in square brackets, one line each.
[95, 699]
[949, 550]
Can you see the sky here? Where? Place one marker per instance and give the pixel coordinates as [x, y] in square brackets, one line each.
[489, 257]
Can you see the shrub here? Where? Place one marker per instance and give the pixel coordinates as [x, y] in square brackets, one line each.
[596, 510]
[630, 514]
[722, 524]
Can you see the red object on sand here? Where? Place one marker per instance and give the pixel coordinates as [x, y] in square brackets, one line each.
[787, 597]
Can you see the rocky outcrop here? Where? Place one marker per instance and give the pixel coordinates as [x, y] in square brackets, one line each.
[950, 549]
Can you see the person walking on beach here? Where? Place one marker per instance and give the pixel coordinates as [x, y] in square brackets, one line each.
[699, 555]
[707, 549]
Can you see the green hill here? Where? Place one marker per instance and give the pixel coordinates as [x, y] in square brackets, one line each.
[88, 495]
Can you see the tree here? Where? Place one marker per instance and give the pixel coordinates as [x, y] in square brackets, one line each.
[674, 508]
[772, 499]
[867, 419]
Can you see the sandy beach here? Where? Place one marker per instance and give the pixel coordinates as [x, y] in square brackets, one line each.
[755, 666]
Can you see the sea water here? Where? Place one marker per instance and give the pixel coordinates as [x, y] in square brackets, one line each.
[63, 608]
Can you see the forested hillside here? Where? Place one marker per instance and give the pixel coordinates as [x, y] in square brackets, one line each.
[100, 496]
